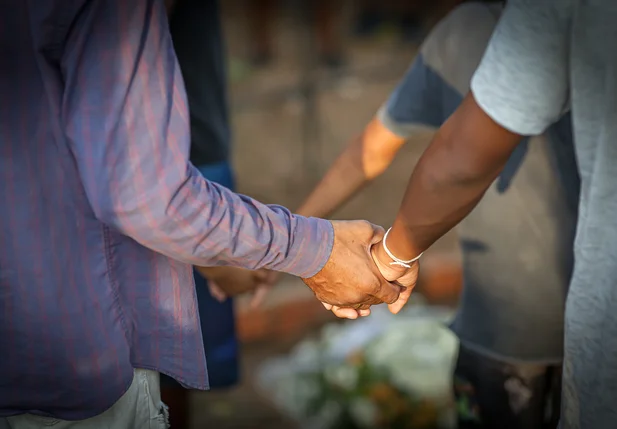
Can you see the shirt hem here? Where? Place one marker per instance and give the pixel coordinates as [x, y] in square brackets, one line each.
[181, 380]
[78, 416]
[485, 351]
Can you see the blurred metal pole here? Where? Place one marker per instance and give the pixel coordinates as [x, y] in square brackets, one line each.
[308, 87]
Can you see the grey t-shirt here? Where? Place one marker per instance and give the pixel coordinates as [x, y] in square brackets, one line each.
[517, 243]
[545, 56]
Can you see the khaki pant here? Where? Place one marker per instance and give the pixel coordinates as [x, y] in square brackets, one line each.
[139, 408]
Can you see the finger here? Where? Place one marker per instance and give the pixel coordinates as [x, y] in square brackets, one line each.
[345, 313]
[260, 275]
[273, 277]
[261, 291]
[364, 306]
[378, 233]
[328, 306]
[268, 277]
[387, 292]
[216, 291]
[365, 312]
[401, 301]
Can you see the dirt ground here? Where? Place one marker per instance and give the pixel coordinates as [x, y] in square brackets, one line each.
[281, 148]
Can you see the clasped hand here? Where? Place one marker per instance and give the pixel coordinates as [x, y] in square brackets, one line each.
[359, 273]
[225, 282]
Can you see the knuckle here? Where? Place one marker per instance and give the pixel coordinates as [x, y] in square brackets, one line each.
[365, 226]
[388, 293]
[372, 301]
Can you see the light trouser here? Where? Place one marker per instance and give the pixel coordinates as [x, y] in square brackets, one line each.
[139, 408]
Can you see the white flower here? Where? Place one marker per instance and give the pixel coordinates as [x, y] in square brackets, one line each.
[306, 356]
[342, 376]
[293, 393]
[325, 418]
[363, 412]
[348, 338]
[414, 348]
[418, 355]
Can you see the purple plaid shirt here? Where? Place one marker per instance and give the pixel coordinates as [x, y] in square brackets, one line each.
[102, 213]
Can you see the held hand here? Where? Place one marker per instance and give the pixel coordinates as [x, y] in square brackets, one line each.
[266, 279]
[350, 280]
[405, 277]
[224, 282]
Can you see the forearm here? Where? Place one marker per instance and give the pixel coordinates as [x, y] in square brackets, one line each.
[127, 122]
[459, 165]
[344, 178]
[201, 223]
[433, 204]
[365, 158]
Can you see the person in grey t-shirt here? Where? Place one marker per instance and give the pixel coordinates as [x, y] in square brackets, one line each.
[531, 206]
[545, 57]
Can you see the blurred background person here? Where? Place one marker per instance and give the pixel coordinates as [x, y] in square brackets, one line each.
[519, 236]
[102, 173]
[326, 18]
[197, 36]
[412, 18]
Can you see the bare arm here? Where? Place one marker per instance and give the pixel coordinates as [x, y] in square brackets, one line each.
[464, 158]
[365, 158]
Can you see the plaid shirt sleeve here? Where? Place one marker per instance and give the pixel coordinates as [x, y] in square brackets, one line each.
[124, 113]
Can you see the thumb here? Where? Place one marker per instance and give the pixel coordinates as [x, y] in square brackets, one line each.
[388, 292]
[387, 270]
[401, 301]
[216, 291]
[267, 277]
[260, 293]
[378, 234]
[260, 275]
[408, 282]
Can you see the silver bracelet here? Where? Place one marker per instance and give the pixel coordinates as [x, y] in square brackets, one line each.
[397, 261]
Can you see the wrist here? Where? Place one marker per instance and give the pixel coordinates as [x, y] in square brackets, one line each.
[399, 243]
[383, 260]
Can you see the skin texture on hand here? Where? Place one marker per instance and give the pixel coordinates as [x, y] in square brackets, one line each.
[364, 158]
[465, 156]
[350, 278]
[405, 277]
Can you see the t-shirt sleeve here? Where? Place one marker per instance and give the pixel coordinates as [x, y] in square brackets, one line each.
[522, 80]
[415, 102]
[439, 77]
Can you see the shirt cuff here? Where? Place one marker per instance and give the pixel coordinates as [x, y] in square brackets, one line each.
[313, 239]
